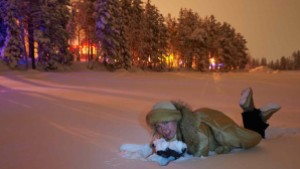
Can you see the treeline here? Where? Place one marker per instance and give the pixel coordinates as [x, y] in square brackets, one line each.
[131, 34]
[128, 34]
[284, 63]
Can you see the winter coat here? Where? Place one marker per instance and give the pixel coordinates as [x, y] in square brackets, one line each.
[205, 130]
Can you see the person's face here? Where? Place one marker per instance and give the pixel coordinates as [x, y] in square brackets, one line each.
[167, 129]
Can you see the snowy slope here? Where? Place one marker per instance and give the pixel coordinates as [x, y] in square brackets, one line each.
[79, 119]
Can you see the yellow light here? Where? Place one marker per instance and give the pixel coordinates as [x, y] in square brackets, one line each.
[85, 49]
[212, 61]
[171, 60]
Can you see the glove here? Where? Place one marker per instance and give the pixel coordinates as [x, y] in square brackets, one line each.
[135, 151]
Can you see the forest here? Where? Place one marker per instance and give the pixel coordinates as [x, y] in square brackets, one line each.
[121, 34]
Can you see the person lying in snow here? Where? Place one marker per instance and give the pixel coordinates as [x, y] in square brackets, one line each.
[207, 130]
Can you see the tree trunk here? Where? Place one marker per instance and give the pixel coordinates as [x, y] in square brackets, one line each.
[23, 43]
[31, 42]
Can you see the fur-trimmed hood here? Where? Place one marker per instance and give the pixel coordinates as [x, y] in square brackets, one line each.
[162, 112]
[188, 127]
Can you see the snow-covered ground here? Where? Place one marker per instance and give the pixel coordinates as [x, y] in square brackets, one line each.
[79, 119]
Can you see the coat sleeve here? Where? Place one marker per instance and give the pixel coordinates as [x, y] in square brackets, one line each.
[206, 140]
[195, 134]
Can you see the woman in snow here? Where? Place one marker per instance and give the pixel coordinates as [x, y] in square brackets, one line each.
[205, 129]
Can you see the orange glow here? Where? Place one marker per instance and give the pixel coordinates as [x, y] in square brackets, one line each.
[85, 49]
[172, 60]
[82, 52]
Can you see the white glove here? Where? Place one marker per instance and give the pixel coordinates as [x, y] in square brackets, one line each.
[135, 151]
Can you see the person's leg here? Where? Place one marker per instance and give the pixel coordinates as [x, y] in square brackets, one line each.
[252, 120]
[255, 119]
[268, 110]
[234, 136]
[246, 100]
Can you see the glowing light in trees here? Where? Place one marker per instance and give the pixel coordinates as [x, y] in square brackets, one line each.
[212, 63]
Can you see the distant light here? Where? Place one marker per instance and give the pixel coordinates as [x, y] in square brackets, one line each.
[212, 63]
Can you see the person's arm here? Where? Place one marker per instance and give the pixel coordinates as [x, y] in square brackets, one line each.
[203, 134]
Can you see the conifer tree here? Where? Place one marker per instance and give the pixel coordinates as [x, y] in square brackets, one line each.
[88, 24]
[172, 32]
[32, 14]
[123, 19]
[133, 12]
[12, 49]
[296, 59]
[155, 38]
[233, 48]
[111, 34]
[52, 35]
[137, 25]
[163, 38]
[2, 33]
[105, 31]
[188, 22]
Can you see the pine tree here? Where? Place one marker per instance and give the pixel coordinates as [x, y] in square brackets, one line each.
[12, 50]
[263, 61]
[111, 34]
[2, 33]
[296, 58]
[283, 63]
[22, 17]
[52, 36]
[234, 50]
[188, 22]
[123, 50]
[172, 32]
[227, 50]
[88, 25]
[155, 38]
[241, 54]
[162, 41]
[134, 16]
[148, 38]
[213, 37]
[3, 27]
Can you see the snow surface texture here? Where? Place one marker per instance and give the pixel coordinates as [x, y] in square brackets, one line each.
[79, 119]
[165, 152]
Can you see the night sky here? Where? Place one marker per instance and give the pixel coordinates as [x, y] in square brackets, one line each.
[271, 27]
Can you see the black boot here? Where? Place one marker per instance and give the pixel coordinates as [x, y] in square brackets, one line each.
[253, 121]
